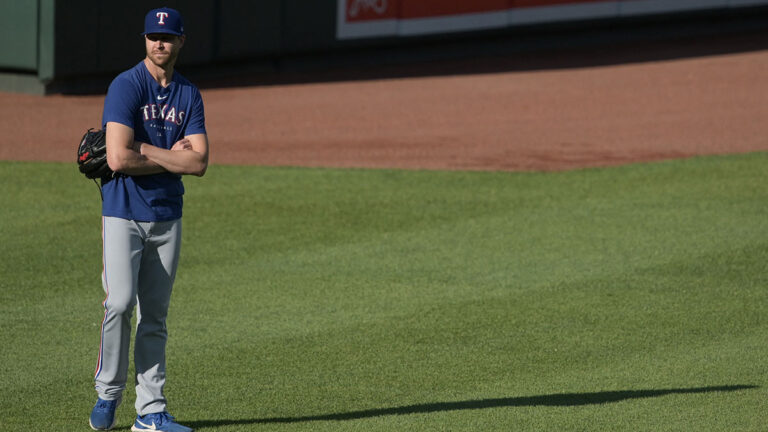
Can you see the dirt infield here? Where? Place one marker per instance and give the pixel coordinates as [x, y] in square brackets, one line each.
[531, 112]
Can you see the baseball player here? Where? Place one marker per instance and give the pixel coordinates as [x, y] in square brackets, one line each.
[155, 133]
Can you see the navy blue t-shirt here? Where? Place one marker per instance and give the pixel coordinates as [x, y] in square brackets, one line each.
[160, 116]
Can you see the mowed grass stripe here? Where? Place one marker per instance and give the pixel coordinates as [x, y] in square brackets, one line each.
[319, 299]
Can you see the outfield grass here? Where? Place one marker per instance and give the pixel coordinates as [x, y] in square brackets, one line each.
[629, 298]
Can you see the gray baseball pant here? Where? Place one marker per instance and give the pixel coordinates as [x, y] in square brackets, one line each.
[140, 260]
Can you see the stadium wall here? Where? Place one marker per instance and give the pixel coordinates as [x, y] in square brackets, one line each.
[75, 46]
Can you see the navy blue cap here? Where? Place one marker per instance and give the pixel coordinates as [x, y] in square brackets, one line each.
[163, 20]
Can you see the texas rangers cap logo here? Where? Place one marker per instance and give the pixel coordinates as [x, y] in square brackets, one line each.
[163, 20]
[161, 16]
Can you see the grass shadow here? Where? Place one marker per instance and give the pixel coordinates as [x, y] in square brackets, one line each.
[552, 400]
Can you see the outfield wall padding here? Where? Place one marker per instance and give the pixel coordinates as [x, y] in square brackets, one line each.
[19, 33]
[406, 18]
[63, 42]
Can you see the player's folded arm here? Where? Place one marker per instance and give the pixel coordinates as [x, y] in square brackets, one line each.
[199, 144]
[193, 160]
[121, 154]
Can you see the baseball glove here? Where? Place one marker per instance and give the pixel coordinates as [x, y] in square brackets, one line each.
[92, 155]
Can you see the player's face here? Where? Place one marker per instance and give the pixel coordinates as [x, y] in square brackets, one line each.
[163, 49]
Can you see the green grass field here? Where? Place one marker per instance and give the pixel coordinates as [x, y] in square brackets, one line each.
[629, 298]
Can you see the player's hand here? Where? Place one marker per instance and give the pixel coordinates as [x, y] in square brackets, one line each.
[182, 144]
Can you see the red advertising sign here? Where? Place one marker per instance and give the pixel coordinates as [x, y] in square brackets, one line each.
[367, 10]
[392, 18]
[435, 8]
[537, 3]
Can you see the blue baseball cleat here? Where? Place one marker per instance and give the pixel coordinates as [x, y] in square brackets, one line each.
[103, 414]
[158, 422]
